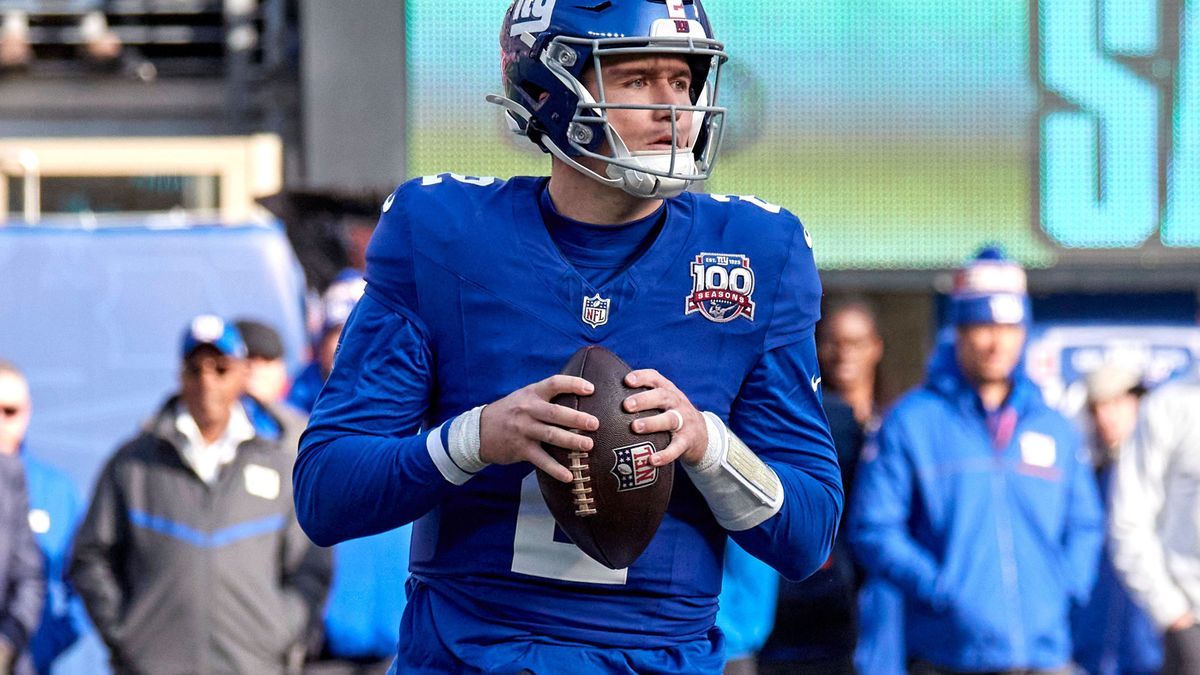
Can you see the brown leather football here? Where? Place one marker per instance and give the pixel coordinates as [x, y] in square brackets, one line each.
[615, 504]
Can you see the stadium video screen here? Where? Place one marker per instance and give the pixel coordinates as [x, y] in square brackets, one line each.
[904, 133]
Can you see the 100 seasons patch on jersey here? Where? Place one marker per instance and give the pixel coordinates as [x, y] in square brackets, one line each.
[722, 287]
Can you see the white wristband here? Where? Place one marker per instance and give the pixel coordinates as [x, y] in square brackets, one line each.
[464, 441]
[740, 488]
[459, 462]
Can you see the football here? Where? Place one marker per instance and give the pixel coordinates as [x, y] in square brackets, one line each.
[617, 499]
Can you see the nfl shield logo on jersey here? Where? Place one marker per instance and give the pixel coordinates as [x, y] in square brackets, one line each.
[595, 310]
[633, 468]
[722, 286]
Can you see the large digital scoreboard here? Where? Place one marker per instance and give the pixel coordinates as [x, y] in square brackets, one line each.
[905, 133]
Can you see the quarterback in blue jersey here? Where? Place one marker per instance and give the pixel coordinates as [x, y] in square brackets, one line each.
[479, 290]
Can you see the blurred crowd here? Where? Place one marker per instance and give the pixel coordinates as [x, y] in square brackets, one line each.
[189, 551]
[96, 40]
[984, 531]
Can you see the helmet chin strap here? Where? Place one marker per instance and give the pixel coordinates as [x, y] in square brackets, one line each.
[644, 184]
[649, 185]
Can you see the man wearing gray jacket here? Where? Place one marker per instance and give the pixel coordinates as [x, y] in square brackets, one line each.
[1155, 519]
[190, 559]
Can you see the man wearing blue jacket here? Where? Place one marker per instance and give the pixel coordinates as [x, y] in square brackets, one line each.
[54, 509]
[974, 501]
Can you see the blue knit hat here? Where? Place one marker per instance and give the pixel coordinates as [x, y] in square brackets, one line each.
[340, 298]
[990, 289]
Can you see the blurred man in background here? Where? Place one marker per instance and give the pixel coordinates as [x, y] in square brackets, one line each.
[190, 558]
[267, 381]
[336, 304]
[850, 350]
[54, 509]
[22, 586]
[976, 504]
[1155, 519]
[1111, 635]
[816, 625]
[366, 599]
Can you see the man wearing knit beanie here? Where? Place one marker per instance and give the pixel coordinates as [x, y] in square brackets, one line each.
[972, 499]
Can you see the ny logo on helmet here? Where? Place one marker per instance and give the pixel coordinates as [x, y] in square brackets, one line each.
[531, 16]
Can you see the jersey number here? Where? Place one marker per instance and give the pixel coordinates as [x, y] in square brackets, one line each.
[536, 553]
[483, 181]
[749, 199]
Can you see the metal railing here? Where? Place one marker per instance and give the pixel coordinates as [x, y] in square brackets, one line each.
[26, 164]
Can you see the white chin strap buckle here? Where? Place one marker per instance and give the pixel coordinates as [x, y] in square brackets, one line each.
[649, 185]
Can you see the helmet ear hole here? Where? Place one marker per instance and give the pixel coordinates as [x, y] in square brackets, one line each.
[535, 94]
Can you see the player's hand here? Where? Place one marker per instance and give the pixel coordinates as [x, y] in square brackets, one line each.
[513, 429]
[689, 433]
[1182, 623]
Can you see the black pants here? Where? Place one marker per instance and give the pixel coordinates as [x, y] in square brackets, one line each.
[926, 668]
[1181, 652]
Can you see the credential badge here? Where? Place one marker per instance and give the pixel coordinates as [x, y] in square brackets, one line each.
[633, 468]
[722, 286]
[595, 310]
[1038, 449]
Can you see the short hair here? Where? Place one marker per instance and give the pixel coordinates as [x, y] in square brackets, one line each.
[262, 340]
[10, 368]
[834, 305]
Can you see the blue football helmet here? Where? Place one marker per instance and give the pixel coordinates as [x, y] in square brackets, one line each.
[547, 45]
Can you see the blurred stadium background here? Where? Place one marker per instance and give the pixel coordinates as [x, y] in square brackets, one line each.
[904, 133]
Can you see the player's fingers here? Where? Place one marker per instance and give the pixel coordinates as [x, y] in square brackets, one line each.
[646, 377]
[539, 458]
[667, 421]
[562, 438]
[552, 413]
[672, 452]
[662, 399]
[563, 384]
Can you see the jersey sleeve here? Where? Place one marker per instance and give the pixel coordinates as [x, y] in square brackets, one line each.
[365, 466]
[778, 414]
[390, 254]
[797, 298]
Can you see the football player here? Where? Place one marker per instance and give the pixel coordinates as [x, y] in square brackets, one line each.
[478, 290]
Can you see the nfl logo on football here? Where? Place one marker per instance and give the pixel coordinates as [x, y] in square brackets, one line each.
[633, 468]
[595, 310]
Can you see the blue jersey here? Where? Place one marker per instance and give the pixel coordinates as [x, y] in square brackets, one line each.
[467, 300]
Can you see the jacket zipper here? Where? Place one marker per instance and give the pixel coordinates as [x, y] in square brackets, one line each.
[1007, 548]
